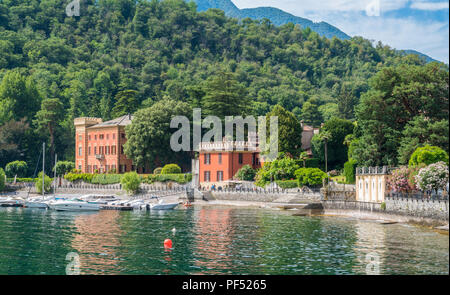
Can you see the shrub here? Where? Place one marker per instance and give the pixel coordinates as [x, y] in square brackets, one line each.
[157, 170]
[171, 169]
[432, 177]
[2, 179]
[130, 182]
[246, 173]
[286, 184]
[428, 155]
[281, 169]
[106, 178]
[349, 171]
[310, 177]
[383, 206]
[399, 180]
[64, 167]
[14, 168]
[47, 183]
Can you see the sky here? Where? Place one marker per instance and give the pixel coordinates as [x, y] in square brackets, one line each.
[421, 25]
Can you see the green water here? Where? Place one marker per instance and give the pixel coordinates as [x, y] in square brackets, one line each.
[212, 240]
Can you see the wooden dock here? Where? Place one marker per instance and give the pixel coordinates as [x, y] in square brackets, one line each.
[116, 207]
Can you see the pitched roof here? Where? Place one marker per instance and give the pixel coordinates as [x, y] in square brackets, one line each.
[121, 121]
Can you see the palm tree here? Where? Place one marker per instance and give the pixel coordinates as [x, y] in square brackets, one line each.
[325, 136]
[304, 156]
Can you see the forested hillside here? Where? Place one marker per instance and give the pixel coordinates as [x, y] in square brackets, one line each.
[90, 65]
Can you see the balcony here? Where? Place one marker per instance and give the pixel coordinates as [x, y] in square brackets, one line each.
[100, 157]
[229, 146]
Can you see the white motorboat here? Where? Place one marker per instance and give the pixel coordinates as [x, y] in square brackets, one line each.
[36, 203]
[99, 199]
[162, 206]
[73, 205]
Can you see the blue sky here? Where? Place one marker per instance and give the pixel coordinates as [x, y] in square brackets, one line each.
[422, 25]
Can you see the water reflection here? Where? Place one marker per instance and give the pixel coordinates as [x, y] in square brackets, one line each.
[213, 237]
[95, 239]
[212, 240]
[370, 247]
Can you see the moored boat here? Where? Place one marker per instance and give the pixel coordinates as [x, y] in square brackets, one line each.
[162, 206]
[73, 205]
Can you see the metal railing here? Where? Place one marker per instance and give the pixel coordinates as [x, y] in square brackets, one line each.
[419, 195]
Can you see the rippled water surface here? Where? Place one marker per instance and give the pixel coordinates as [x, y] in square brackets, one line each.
[213, 240]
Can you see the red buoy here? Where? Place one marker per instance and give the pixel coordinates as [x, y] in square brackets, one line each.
[168, 243]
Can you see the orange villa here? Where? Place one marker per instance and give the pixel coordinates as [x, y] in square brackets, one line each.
[99, 145]
[219, 162]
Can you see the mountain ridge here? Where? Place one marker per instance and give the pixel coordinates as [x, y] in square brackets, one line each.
[279, 17]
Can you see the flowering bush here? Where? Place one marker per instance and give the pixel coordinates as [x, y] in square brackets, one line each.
[398, 181]
[432, 177]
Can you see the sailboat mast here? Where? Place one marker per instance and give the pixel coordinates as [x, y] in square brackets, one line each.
[43, 168]
[54, 175]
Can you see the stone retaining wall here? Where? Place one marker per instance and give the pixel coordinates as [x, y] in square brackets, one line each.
[418, 208]
[263, 197]
[435, 209]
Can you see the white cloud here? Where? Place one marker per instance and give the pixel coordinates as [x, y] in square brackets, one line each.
[430, 38]
[433, 6]
[299, 7]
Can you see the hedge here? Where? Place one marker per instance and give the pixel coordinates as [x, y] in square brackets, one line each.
[72, 177]
[2, 179]
[10, 180]
[179, 178]
[286, 184]
[349, 171]
[106, 178]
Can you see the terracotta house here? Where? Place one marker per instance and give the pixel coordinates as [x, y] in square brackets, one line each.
[99, 145]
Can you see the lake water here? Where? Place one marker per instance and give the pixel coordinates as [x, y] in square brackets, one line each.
[214, 240]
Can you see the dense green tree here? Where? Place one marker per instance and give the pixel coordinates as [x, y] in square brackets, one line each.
[48, 118]
[396, 97]
[126, 103]
[419, 132]
[149, 134]
[289, 131]
[16, 168]
[19, 97]
[63, 167]
[310, 113]
[224, 96]
[337, 150]
[13, 140]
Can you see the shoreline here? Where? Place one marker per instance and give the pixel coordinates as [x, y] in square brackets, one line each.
[433, 224]
[428, 223]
